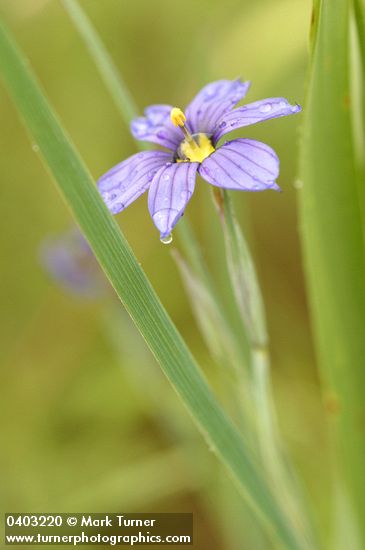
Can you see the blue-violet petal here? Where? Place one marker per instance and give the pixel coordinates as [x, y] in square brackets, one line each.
[252, 113]
[242, 164]
[157, 127]
[124, 183]
[212, 102]
[169, 194]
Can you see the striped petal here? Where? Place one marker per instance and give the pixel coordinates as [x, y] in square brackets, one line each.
[157, 127]
[242, 164]
[128, 180]
[252, 113]
[212, 102]
[170, 191]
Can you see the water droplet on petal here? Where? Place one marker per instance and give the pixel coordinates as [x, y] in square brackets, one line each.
[167, 240]
[209, 93]
[266, 108]
[142, 125]
[205, 170]
[151, 174]
[166, 177]
[223, 124]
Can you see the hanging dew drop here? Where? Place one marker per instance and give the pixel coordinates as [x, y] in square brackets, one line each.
[166, 240]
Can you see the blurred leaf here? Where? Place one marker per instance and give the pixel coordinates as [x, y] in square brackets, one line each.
[333, 240]
[135, 291]
[164, 474]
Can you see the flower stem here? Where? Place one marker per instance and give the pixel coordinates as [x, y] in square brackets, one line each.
[249, 299]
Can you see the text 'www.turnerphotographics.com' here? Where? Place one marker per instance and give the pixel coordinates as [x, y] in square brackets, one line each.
[104, 529]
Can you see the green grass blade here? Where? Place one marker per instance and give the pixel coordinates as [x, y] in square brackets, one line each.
[134, 289]
[358, 94]
[333, 241]
[104, 63]
[359, 9]
[212, 322]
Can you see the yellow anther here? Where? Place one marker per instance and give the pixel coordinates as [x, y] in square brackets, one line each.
[177, 117]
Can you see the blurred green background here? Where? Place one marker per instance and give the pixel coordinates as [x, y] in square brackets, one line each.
[89, 422]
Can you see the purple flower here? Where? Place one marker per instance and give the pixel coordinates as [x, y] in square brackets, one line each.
[69, 260]
[192, 147]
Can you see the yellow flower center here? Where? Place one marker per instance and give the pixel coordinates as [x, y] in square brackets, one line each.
[201, 150]
[194, 148]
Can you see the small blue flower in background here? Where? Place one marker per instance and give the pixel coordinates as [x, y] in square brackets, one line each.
[191, 140]
[70, 262]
